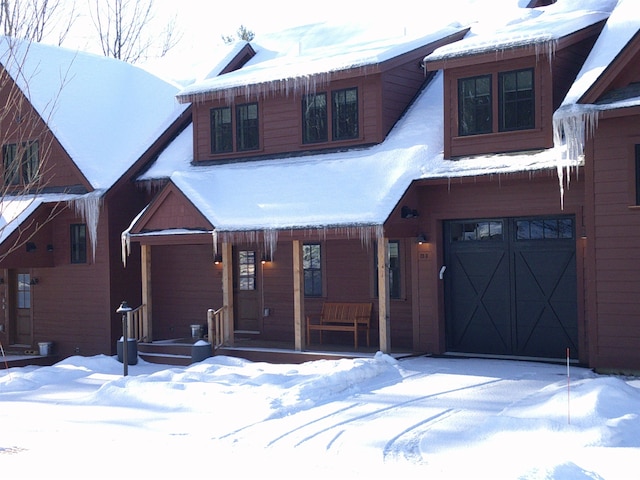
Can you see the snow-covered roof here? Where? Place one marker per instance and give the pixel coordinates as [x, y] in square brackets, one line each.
[361, 186]
[104, 112]
[297, 57]
[358, 187]
[574, 121]
[622, 25]
[518, 27]
[15, 210]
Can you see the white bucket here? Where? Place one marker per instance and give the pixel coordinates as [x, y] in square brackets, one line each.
[45, 348]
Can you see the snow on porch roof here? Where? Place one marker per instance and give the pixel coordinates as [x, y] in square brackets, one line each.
[355, 188]
[539, 27]
[14, 210]
[104, 112]
[298, 56]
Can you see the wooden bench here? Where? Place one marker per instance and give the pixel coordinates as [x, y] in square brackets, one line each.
[341, 317]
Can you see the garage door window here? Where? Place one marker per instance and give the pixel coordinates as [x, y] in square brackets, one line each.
[476, 231]
[544, 229]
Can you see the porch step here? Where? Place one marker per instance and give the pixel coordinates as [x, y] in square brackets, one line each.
[171, 352]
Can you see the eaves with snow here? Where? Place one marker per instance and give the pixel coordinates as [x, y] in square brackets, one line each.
[360, 187]
[105, 113]
[575, 119]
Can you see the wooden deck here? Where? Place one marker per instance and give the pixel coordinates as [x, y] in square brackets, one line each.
[10, 360]
[179, 351]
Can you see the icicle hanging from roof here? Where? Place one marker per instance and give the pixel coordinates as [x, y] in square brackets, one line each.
[572, 126]
[88, 207]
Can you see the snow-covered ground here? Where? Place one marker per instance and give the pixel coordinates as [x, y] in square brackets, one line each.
[374, 417]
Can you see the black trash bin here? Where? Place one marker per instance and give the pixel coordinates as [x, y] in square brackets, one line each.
[132, 351]
[200, 350]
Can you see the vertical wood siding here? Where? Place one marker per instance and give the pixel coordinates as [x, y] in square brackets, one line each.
[613, 245]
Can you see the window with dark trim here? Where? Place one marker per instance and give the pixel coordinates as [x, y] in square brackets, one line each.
[221, 130]
[394, 270]
[516, 100]
[247, 269]
[514, 105]
[247, 127]
[78, 243]
[344, 108]
[314, 118]
[21, 163]
[637, 174]
[474, 105]
[312, 267]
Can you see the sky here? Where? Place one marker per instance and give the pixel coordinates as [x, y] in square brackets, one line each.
[372, 417]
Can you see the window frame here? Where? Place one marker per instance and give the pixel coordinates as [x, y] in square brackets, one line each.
[24, 171]
[521, 103]
[221, 130]
[340, 117]
[396, 284]
[315, 271]
[474, 105]
[247, 127]
[78, 243]
[314, 119]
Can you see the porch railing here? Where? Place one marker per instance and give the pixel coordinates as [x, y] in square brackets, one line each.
[137, 326]
[215, 327]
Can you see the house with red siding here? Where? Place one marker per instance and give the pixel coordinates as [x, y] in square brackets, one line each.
[425, 176]
[73, 126]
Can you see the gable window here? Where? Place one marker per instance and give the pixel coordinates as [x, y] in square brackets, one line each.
[516, 100]
[221, 132]
[344, 104]
[247, 131]
[21, 163]
[314, 118]
[312, 267]
[78, 243]
[474, 105]
[394, 270]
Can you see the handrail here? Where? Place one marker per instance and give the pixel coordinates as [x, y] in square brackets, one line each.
[137, 324]
[215, 325]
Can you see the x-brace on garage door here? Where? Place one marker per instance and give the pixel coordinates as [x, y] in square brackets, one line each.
[510, 286]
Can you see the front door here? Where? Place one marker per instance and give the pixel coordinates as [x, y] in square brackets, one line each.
[246, 291]
[20, 307]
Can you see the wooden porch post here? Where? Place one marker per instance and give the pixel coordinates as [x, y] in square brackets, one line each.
[146, 293]
[227, 294]
[299, 326]
[384, 320]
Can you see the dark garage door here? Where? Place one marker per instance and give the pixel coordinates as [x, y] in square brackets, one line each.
[510, 286]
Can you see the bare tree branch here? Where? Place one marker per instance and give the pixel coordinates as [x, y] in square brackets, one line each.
[125, 32]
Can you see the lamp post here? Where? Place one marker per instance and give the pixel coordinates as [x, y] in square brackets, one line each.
[124, 309]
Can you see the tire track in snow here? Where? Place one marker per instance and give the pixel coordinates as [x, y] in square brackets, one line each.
[407, 443]
[375, 414]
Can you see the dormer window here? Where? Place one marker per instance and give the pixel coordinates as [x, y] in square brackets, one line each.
[247, 129]
[314, 118]
[343, 113]
[515, 105]
[474, 104]
[516, 100]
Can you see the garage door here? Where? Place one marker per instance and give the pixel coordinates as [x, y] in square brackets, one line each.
[510, 286]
